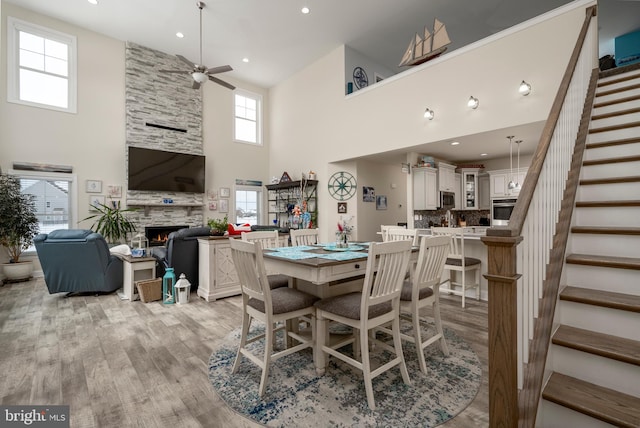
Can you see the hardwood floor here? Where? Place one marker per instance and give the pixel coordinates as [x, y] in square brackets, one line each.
[122, 364]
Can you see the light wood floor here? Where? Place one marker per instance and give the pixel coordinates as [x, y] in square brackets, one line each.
[122, 364]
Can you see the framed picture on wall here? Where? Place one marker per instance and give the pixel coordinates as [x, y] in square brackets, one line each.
[96, 201]
[381, 202]
[342, 207]
[94, 186]
[368, 194]
[223, 205]
[225, 192]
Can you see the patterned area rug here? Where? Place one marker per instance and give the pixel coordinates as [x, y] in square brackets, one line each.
[297, 397]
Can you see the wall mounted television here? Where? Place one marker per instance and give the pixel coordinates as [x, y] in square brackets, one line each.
[162, 171]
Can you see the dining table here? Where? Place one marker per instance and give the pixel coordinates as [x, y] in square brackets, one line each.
[323, 270]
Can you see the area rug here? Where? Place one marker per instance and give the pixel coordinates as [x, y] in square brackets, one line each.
[297, 397]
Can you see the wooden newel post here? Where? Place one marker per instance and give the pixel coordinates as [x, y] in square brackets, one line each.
[503, 312]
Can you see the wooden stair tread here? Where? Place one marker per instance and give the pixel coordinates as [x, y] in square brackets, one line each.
[619, 203]
[616, 101]
[610, 143]
[610, 180]
[615, 113]
[604, 345]
[606, 230]
[625, 78]
[604, 261]
[605, 299]
[618, 90]
[614, 127]
[620, 159]
[596, 401]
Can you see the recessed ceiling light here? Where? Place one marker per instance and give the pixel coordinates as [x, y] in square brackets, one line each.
[305, 10]
[245, 59]
[179, 35]
[483, 154]
[455, 143]
[93, 1]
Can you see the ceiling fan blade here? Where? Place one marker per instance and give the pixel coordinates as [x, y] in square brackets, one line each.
[220, 69]
[222, 82]
[183, 59]
[196, 85]
[174, 71]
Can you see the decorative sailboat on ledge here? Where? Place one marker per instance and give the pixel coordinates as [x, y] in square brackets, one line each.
[422, 49]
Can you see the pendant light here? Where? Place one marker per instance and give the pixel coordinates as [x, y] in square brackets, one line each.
[518, 170]
[511, 184]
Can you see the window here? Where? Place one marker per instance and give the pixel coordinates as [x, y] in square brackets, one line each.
[55, 207]
[41, 66]
[248, 204]
[247, 117]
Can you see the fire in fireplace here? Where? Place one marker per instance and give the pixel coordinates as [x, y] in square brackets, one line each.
[158, 235]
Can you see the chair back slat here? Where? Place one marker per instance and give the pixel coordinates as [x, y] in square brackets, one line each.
[249, 264]
[266, 238]
[304, 236]
[386, 268]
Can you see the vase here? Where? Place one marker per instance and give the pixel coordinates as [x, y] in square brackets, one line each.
[342, 240]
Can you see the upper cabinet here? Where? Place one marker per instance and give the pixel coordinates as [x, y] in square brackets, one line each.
[484, 191]
[425, 189]
[458, 197]
[499, 182]
[447, 177]
[470, 193]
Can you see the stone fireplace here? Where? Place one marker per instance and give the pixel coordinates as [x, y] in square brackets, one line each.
[157, 235]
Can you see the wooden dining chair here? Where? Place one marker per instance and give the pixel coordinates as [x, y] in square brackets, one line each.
[268, 239]
[458, 262]
[384, 228]
[399, 234]
[377, 304]
[303, 236]
[422, 290]
[271, 307]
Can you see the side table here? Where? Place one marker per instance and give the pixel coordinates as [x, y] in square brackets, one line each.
[136, 269]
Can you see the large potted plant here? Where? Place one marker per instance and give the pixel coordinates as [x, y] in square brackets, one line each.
[112, 222]
[18, 226]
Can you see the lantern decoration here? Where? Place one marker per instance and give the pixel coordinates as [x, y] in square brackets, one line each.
[168, 281]
[182, 289]
[139, 245]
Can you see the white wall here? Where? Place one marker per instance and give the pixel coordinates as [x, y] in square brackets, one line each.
[314, 124]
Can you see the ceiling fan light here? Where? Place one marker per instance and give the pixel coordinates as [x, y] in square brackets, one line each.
[199, 76]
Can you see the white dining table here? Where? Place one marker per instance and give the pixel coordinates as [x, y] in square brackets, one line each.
[323, 271]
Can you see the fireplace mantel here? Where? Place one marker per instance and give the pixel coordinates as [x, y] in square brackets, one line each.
[147, 206]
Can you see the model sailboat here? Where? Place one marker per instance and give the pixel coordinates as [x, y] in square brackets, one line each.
[429, 46]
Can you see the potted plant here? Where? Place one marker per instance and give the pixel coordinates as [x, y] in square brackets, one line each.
[218, 227]
[18, 226]
[112, 222]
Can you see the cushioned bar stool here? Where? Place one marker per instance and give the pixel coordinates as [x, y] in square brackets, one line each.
[259, 301]
[458, 262]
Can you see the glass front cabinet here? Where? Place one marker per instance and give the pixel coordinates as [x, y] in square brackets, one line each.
[470, 191]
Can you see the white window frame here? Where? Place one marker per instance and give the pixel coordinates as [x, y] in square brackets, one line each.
[14, 26]
[73, 193]
[259, 199]
[258, 124]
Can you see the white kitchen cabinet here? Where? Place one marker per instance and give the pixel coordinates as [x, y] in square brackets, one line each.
[484, 192]
[499, 182]
[469, 188]
[425, 190]
[447, 177]
[458, 197]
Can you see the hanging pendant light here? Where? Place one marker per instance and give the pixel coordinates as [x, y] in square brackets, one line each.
[518, 170]
[511, 184]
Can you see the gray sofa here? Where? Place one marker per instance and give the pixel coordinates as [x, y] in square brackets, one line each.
[181, 253]
[78, 261]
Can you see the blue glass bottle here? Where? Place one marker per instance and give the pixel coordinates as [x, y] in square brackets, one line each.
[168, 281]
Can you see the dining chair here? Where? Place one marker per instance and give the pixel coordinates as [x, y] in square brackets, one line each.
[400, 233]
[458, 262]
[262, 303]
[422, 290]
[377, 304]
[268, 239]
[303, 236]
[384, 228]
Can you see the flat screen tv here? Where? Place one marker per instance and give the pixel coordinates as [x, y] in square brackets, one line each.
[162, 171]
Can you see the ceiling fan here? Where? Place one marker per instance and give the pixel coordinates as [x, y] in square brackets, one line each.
[199, 72]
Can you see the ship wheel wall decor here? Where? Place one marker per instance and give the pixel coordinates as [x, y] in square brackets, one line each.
[360, 77]
[342, 186]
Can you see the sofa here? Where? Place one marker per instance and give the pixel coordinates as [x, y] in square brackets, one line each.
[181, 253]
[78, 261]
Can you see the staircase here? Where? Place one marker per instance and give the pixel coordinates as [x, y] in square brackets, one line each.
[594, 358]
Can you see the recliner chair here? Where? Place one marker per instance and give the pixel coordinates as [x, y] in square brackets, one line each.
[181, 253]
[78, 261]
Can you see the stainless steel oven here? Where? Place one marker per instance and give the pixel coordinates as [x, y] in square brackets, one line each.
[501, 210]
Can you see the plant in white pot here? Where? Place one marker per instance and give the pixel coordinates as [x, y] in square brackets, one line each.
[18, 226]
